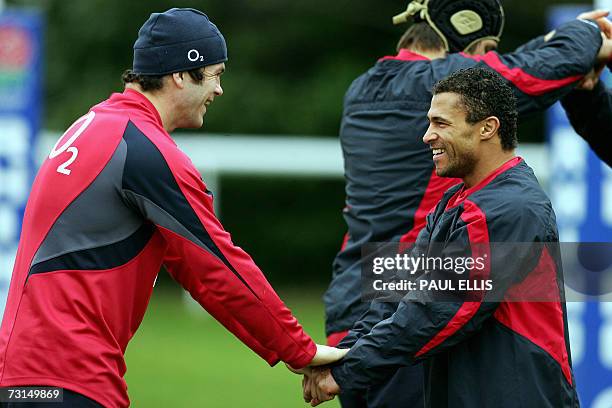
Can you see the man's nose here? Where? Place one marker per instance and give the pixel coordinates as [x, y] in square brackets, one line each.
[429, 136]
[218, 90]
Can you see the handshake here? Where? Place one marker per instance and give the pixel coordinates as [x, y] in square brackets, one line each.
[318, 385]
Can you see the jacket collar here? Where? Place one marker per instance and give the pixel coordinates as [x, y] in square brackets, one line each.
[146, 106]
[405, 55]
[464, 193]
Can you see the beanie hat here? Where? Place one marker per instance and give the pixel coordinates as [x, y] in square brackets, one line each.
[180, 39]
[460, 23]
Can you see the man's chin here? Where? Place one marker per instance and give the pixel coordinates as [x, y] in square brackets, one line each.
[445, 172]
[192, 125]
[440, 171]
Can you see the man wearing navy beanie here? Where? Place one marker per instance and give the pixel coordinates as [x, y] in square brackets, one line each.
[114, 202]
[173, 43]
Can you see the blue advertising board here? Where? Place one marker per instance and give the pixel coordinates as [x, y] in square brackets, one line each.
[20, 113]
[581, 191]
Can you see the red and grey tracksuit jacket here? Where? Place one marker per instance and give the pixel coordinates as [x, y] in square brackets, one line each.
[116, 200]
[504, 348]
[389, 172]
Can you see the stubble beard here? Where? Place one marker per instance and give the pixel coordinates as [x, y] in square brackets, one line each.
[459, 167]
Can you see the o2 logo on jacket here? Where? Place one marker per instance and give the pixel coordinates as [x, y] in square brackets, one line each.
[67, 146]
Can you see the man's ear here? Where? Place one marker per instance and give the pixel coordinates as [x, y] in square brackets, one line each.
[489, 128]
[178, 80]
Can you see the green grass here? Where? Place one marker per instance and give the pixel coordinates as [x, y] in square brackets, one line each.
[182, 357]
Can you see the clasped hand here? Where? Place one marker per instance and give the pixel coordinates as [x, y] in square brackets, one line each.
[318, 385]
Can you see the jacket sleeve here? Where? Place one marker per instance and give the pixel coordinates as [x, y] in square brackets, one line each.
[382, 308]
[541, 72]
[378, 311]
[161, 183]
[428, 322]
[534, 43]
[590, 113]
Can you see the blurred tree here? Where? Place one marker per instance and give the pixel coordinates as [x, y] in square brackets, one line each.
[289, 66]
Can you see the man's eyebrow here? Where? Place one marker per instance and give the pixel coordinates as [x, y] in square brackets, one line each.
[438, 118]
[216, 72]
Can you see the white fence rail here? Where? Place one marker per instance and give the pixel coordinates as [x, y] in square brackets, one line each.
[215, 154]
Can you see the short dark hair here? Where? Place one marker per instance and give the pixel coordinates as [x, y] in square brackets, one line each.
[422, 36]
[484, 93]
[155, 82]
[146, 82]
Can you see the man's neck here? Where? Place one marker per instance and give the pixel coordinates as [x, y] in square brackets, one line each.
[430, 54]
[158, 103]
[486, 167]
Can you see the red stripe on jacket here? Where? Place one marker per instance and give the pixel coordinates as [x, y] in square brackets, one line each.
[525, 82]
[540, 322]
[345, 241]
[405, 55]
[436, 188]
[478, 233]
[335, 338]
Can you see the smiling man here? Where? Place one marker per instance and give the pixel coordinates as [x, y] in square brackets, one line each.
[503, 347]
[116, 200]
[454, 120]
[390, 180]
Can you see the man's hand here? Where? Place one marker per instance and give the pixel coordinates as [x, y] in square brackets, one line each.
[605, 52]
[599, 17]
[320, 386]
[327, 355]
[324, 355]
[307, 388]
[590, 80]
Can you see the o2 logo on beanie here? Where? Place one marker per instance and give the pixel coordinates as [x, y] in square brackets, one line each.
[466, 22]
[193, 55]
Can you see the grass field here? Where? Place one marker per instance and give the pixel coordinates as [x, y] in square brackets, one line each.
[181, 357]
